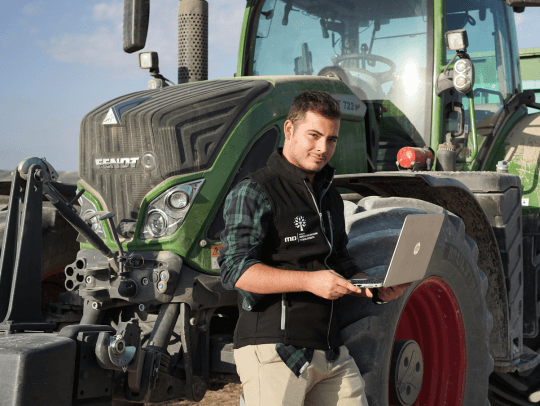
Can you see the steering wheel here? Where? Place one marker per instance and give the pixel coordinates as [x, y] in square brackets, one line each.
[381, 77]
[366, 88]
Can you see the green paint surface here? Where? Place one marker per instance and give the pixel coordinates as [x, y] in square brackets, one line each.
[439, 63]
[520, 147]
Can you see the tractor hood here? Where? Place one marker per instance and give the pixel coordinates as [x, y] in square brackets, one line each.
[132, 143]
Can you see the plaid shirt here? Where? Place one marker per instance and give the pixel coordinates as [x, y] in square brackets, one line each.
[247, 214]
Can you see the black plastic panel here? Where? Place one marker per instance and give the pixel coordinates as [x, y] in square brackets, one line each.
[503, 210]
[36, 369]
[531, 271]
[178, 130]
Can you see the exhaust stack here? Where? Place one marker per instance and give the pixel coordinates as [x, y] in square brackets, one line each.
[192, 41]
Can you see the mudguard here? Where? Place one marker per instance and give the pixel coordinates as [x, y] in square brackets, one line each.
[522, 152]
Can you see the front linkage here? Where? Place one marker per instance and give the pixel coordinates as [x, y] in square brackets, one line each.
[89, 363]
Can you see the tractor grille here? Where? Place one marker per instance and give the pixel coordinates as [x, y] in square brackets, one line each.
[178, 130]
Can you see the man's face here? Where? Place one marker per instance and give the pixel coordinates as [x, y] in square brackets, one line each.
[311, 142]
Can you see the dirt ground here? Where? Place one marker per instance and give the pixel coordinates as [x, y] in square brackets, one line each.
[228, 396]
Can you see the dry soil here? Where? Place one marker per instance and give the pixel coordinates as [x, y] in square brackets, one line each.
[228, 396]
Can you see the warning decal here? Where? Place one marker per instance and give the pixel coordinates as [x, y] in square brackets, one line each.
[214, 254]
[215, 250]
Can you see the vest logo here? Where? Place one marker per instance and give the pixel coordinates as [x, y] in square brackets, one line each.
[300, 222]
[116, 163]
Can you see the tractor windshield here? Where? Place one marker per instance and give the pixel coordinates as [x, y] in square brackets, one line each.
[383, 48]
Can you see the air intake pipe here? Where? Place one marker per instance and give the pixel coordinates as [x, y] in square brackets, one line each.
[192, 41]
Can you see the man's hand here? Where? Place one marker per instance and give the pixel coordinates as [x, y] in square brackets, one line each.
[393, 292]
[330, 285]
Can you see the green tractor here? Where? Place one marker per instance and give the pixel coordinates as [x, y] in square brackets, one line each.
[434, 120]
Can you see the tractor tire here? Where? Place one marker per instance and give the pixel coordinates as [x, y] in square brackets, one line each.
[445, 314]
[512, 389]
[521, 388]
[59, 248]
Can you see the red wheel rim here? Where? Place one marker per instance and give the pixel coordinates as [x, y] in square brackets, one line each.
[432, 318]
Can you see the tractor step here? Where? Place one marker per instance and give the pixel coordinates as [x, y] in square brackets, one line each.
[527, 361]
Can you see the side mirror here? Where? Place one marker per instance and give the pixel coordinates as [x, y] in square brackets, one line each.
[136, 17]
[519, 5]
[523, 3]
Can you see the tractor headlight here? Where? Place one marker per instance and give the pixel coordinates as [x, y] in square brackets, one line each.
[464, 75]
[461, 66]
[87, 210]
[157, 223]
[178, 200]
[167, 212]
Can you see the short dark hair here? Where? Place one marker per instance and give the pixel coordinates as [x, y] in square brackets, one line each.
[315, 101]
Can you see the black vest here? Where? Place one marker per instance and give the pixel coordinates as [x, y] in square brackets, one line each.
[307, 223]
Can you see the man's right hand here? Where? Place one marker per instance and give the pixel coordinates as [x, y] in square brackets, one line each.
[328, 284]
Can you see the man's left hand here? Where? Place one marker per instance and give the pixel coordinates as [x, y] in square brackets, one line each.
[393, 292]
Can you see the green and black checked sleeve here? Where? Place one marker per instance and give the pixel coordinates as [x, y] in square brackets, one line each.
[247, 214]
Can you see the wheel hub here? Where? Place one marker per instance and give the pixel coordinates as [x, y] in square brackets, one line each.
[406, 372]
[432, 318]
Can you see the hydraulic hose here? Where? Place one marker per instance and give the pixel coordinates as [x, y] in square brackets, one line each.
[163, 329]
[76, 222]
[474, 150]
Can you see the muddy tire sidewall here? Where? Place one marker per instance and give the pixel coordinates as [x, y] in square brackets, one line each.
[454, 261]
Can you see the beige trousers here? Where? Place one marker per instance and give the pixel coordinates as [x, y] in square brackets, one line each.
[267, 381]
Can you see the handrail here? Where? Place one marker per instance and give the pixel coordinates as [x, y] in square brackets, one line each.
[474, 139]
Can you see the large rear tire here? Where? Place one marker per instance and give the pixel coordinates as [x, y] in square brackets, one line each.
[445, 313]
[513, 389]
[521, 388]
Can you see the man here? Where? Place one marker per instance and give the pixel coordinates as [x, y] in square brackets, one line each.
[285, 252]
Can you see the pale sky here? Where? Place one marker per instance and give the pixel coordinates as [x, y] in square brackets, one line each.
[62, 58]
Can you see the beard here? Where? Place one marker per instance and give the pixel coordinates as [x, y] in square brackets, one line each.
[306, 168]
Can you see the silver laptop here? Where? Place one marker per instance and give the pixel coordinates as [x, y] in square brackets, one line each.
[412, 253]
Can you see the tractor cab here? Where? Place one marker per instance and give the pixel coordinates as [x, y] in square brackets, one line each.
[389, 53]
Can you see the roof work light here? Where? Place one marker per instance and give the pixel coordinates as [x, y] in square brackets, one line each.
[456, 40]
[462, 76]
[148, 60]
